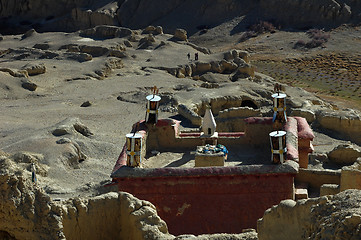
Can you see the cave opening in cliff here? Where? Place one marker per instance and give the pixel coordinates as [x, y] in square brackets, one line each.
[249, 103]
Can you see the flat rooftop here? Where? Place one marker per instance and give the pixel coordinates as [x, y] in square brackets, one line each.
[242, 155]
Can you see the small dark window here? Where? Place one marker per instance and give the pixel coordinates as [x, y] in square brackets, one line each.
[209, 131]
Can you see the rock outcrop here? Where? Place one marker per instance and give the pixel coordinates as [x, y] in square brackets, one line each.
[112, 216]
[327, 12]
[34, 69]
[235, 61]
[344, 154]
[104, 32]
[345, 123]
[28, 213]
[180, 34]
[72, 15]
[327, 217]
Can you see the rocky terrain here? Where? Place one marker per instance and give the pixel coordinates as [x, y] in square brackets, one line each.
[329, 217]
[68, 97]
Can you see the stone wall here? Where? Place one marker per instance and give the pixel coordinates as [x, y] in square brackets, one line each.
[216, 203]
[316, 178]
[351, 176]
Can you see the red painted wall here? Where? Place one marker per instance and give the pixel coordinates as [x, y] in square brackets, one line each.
[211, 204]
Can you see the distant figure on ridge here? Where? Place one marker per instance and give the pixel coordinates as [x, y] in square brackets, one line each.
[196, 56]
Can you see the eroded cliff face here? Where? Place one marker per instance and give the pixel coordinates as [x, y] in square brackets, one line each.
[112, 216]
[71, 15]
[26, 212]
[307, 13]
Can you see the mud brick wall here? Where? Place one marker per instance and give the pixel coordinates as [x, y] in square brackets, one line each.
[211, 204]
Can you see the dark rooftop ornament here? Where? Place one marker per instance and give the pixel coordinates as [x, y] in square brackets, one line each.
[279, 108]
[153, 100]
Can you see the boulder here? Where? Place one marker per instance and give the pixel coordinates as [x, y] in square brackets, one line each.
[117, 53]
[86, 104]
[214, 78]
[159, 29]
[34, 69]
[228, 56]
[28, 33]
[344, 154]
[228, 66]
[239, 61]
[246, 69]
[26, 84]
[153, 30]
[149, 29]
[80, 57]
[123, 32]
[110, 64]
[243, 71]
[146, 41]
[133, 38]
[202, 67]
[42, 46]
[71, 126]
[181, 73]
[127, 43]
[15, 73]
[244, 55]
[49, 55]
[70, 47]
[95, 51]
[233, 54]
[188, 71]
[209, 85]
[180, 34]
[216, 67]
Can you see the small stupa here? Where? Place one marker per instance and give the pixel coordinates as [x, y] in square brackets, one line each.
[209, 125]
